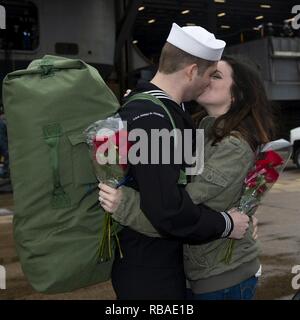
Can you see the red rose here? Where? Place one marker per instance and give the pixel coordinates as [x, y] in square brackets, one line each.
[271, 159]
[119, 140]
[262, 189]
[98, 143]
[260, 165]
[271, 175]
[251, 176]
[251, 179]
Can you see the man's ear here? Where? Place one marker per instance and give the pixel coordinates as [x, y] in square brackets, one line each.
[191, 71]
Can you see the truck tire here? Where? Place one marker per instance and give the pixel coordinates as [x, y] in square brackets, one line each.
[296, 296]
[297, 158]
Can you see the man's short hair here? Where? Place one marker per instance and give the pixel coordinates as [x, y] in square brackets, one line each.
[173, 59]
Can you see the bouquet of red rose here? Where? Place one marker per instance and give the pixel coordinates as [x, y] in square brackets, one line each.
[109, 146]
[269, 164]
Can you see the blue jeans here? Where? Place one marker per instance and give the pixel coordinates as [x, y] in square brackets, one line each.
[242, 291]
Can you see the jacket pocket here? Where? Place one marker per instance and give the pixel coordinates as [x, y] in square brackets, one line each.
[207, 186]
[201, 260]
[214, 176]
[195, 262]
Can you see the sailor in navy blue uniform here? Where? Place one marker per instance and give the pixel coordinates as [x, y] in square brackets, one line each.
[152, 268]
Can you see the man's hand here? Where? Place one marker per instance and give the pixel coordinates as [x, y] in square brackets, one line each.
[240, 224]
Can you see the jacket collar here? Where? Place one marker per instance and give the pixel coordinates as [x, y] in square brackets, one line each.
[162, 95]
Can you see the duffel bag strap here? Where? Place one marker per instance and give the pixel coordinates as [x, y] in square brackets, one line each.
[47, 68]
[147, 96]
[52, 134]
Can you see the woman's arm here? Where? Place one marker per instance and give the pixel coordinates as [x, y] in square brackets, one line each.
[129, 213]
[229, 163]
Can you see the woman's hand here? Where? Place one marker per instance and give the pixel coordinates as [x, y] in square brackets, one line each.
[109, 198]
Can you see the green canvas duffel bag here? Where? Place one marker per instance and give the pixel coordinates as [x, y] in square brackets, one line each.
[58, 218]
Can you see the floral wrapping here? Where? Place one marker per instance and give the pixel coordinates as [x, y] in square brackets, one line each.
[109, 146]
[269, 164]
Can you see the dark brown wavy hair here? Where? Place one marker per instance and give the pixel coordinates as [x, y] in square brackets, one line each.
[250, 115]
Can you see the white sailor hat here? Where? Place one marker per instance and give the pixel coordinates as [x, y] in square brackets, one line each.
[196, 41]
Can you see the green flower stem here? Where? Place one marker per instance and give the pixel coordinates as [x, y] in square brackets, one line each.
[103, 254]
[228, 251]
[102, 241]
[109, 236]
[119, 246]
[106, 245]
[115, 234]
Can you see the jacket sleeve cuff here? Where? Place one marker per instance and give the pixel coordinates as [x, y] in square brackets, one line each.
[228, 225]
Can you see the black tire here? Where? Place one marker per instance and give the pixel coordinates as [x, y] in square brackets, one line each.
[297, 158]
[297, 296]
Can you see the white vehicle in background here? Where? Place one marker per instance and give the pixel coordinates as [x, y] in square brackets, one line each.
[295, 141]
[74, 29]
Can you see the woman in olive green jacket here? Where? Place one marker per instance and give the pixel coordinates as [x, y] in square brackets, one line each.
[239, 120]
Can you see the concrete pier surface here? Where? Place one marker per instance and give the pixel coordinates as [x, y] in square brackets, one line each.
[279, 235]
